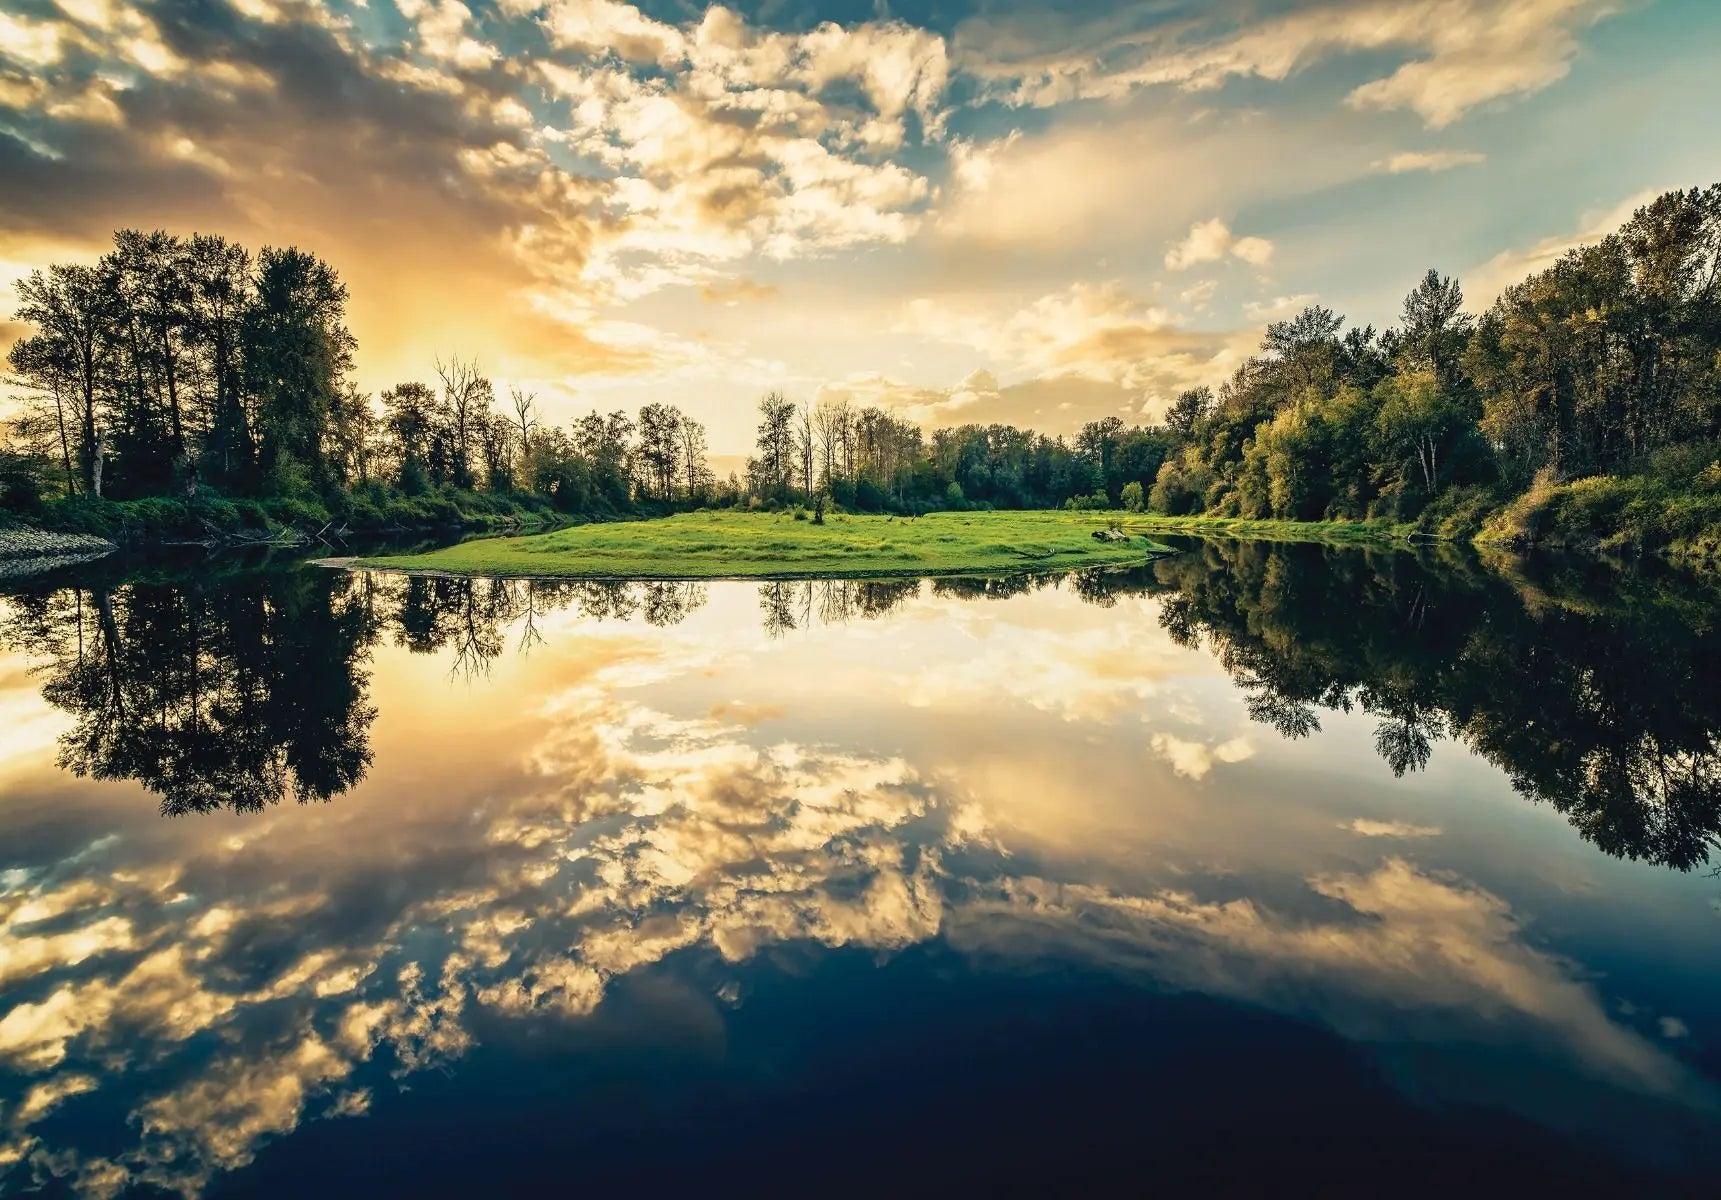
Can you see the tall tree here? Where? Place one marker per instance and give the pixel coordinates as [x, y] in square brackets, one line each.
[1435, 326]
[467, 396]
[776, 443]
[75, 309]
[297, 349]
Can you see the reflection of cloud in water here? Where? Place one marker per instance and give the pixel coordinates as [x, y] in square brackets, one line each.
[1364, 827]
[1193, 760]
[642, 835]
[234, 986]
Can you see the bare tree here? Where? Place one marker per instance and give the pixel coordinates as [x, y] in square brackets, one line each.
[468, 395]
[693, 451]
[805, 446]
[523, 418]
[830, 421]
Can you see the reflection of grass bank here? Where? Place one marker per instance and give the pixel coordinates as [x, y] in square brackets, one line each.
[1347, 533]
[711, 545]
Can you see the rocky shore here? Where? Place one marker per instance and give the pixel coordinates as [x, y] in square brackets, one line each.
[26, 551]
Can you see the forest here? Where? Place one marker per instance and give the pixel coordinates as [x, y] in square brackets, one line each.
[186, 382]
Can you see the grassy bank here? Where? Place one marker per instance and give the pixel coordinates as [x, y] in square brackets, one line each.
[1618, 515]
[1347, 533]
[709, 545]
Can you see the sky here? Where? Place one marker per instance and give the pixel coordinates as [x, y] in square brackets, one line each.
[1031, 211]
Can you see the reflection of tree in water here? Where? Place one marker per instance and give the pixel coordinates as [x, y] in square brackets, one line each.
[244, 690]
[1611, 714]
[234, 694]
[470, 616]
[251, 688]
[789, 604]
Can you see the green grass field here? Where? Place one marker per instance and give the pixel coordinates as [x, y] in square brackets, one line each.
[715, 545]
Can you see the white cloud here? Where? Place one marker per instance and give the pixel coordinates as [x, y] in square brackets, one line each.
[1198, 296]
[1408, 161]
[1195, 760]
[1100, 332]
[1458, 53]
[1483, 284]
[1212, 240]
[1364, 827]
[441, 26]
[1277, 308]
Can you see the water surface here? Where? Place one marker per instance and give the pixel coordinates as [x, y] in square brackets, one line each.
[1285, 868]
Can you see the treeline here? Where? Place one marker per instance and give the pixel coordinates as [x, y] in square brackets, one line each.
[193, 369]
[872, 461]
[1584, 406]
[1595, 696]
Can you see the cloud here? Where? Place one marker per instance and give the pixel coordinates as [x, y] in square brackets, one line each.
[738, 291]
[1277, 308]
[570, 185]
[1408, 161]
[1211, 241]
[1098, 332]
[1457, 54]
[1483, 284]
[1199, 296]
[442, 33]
[1364, 827]
[1195, 760]
[1425, 944]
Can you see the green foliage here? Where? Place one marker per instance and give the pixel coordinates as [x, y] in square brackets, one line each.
[1633, 513]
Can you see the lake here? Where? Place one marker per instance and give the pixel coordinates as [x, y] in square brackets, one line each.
[1265, 868]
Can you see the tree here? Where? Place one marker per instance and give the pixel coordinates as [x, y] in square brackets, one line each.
[524, 421]
[354, 436]
[50, 421]
[1187, 411]
[76, 312]
[1132, 499]
[806, 447]
[775, 444]
[467, 396]
[660, 448]
[409, 418]
[832, 422]
[693, 460]
[1306, 346]
[219, 287]
[1436, 327]
[296, 350]
[1420, 424]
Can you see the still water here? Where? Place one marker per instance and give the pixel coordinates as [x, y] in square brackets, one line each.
[1266, 868]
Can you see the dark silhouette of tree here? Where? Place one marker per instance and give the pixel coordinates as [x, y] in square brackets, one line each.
[235, 694]
[1607, 712]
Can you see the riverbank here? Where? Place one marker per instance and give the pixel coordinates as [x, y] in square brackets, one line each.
[1346, 533]
[26, 552]
[742, 545]
[212, 521]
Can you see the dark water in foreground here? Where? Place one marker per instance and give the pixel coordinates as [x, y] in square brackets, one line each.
[1268, 869]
